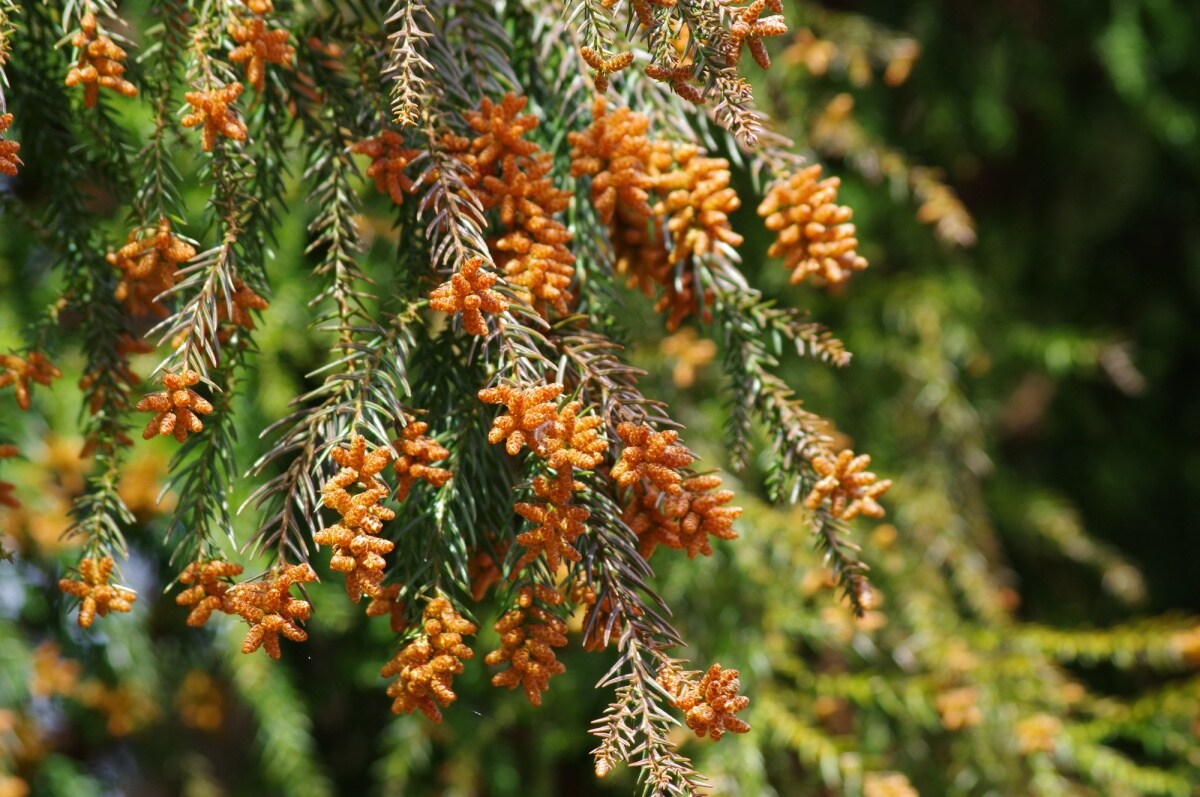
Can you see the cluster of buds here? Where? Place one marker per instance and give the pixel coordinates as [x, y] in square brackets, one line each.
[697, 203]
[709, 704]
[814, 235]
[667, 505]
[8, 149]
[268, 605]
[97, 596]
[680, 76]
[623, 163]
[642, 9]
[651, 456]
[233, 313]
[358, 550]
[512, 176]
[528, 635]
[270, 609]
[22, 372]
[566, 442]
[389, 159]
[530, 419]
[684, 521]
[177, 408]
[469, 291]
[208, 588]
[99, 63]
[557, 522]
[149, 267]
[575, 442]
[257, 47]
[692, 200]
[211, 111]
[417, 453]
[388, 604]
[425, 668]
[850, 488]
[605, 66]
[749, 28]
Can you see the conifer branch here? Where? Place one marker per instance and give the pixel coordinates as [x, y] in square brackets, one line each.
[98, 514]
[407, 66]
[158, 194]
[635, 728]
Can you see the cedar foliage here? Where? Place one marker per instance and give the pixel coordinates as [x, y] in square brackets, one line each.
[458, 203]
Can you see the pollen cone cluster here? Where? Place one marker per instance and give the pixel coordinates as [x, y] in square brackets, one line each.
[177, 408]
[257, 47]
[242, 302]
[358, 551]
[149, 267]
[426, 666]
[469, 292]
[8, 149]
[212, 113]
[651, 456]
[678, 74]
[642, 9]
[750, 28]
[849, 487]
[389, 158]
[814, 235]
[666, 207]
[605, 67]
[697, 203]
[531, 419]
[22, 372]
[528, 635]
[99, 63]
[97, 596]
[512, 176]
[417, 453]
[557, 523]
[271, 610]
[709, 705]
[683, 521]
[388, 604]
[666, 503]
[208, 587]
[566, 442]
[617, 154]
[577, 442]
